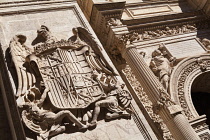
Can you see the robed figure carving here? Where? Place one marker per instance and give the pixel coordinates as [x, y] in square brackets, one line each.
[65, 79]
[161, 66]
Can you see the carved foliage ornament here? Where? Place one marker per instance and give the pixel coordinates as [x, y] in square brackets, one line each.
[73, 75]
[167, 31]
[183, 76]
[147, 103]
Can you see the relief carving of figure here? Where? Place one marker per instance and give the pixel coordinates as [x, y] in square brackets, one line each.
[161, 67]
[117, 101]
[48, 121]
[64, 73]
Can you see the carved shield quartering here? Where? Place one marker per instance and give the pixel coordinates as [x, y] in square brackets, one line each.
[66, 71]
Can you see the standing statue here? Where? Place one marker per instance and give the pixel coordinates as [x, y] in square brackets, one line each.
[161, 67]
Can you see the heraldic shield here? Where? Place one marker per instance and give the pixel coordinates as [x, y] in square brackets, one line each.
[68, 75]
[73, 74]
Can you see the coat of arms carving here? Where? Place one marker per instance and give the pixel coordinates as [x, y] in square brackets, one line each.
[65, 79]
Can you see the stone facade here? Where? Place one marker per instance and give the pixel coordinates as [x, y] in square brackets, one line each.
[105, 69]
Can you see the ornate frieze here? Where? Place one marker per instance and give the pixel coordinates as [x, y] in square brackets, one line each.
[75, 78]
[167, 31]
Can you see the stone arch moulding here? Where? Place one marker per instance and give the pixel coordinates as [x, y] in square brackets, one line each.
[182, 79]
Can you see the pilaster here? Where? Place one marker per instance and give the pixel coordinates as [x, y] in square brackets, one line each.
[167, 109]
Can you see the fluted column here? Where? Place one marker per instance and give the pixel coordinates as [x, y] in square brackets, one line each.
[167, 109]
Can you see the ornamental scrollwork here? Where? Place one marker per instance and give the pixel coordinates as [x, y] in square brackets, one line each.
[114, 22]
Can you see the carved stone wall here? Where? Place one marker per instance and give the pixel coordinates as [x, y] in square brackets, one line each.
[51, 52]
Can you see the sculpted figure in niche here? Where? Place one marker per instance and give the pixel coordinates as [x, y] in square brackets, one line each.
[161, 67]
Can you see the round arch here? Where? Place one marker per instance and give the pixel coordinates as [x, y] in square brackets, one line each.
[182, 79]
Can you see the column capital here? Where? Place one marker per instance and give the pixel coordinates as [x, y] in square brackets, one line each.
[126, 41]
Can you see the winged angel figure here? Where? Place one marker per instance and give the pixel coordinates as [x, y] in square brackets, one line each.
[72, 75]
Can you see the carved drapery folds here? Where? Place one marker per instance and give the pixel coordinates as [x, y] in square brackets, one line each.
[71, 74]
[161, 66]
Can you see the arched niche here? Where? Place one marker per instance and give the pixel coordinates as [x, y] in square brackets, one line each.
[184, 78]
[200, 93]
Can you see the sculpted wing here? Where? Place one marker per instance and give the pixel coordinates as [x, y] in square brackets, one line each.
[19, 52]
[95, 58]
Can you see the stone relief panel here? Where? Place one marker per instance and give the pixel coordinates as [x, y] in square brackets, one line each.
[65, 80]
[72, 75]
[194, 46]
[167, 31]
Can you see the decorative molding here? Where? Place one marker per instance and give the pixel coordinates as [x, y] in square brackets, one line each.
[183, 76]
[144, 99]
[167, 31]
[205, 136]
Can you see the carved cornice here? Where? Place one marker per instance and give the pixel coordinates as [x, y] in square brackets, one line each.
[164, 20]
